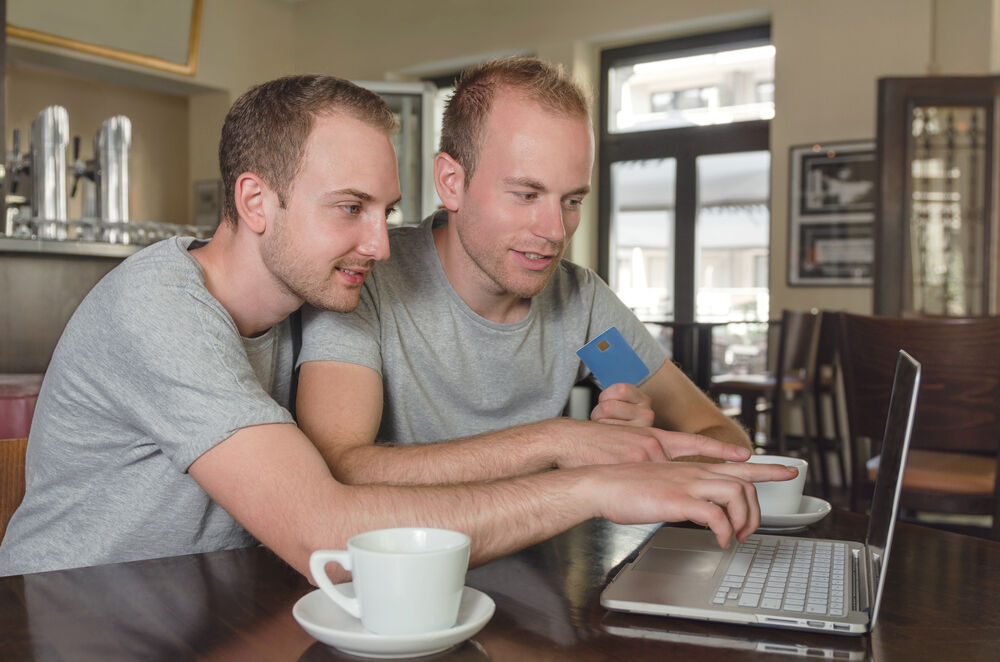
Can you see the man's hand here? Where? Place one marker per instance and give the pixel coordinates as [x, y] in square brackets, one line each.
[584, 443]
[719, 496]
[623, 404]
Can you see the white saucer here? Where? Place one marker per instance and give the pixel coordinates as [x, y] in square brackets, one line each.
[324, 619]
[811, 510]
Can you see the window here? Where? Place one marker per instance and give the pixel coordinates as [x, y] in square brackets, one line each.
[728, 84]
[684, 224]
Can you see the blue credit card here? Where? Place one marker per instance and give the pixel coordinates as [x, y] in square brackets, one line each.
[612, 359]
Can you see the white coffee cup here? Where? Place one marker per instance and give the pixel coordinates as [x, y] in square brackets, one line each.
[780, 497]
[406, 581]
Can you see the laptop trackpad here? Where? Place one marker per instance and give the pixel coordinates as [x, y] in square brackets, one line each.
[692, 564]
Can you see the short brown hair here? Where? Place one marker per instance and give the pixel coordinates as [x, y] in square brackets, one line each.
[468, 109]
[266, 130]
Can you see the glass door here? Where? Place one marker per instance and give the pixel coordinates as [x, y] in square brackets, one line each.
[937, 220]
[684, 227]
[732, 240]
[642, 226]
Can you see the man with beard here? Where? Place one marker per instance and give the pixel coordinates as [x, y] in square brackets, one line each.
[161, 427]
[468, 332]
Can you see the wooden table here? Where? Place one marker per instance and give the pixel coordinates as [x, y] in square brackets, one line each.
[940, 604]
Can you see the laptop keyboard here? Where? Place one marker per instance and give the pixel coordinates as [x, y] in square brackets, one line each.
[799, 576]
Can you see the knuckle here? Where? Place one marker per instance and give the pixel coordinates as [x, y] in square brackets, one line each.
[635, 454]
[715, 516]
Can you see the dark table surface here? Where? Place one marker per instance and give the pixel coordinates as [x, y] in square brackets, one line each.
[941, 603]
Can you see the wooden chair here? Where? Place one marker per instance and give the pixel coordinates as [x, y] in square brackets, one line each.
[824, 385]
[952, 465]
[11, 478]
[794, 362]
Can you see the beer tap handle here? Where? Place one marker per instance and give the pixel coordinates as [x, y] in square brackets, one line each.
[15, 161]
[77, 170]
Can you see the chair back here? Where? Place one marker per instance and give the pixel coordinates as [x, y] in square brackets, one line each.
[11, 478]
[825, 359]
[960, 383]
[957, 416]
[797, 342]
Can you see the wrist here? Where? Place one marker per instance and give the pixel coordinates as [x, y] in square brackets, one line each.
[548, 440]
[585, 489]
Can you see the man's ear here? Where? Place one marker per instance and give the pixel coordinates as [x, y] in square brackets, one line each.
[449, 180]
[250, 193]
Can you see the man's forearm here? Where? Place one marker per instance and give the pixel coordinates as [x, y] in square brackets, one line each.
[284, 495]
[272, 480]
[524, 449]
[501, 517]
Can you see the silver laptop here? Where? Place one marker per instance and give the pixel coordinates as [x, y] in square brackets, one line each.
[779, 581]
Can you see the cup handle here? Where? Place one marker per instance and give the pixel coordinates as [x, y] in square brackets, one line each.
[317, 567]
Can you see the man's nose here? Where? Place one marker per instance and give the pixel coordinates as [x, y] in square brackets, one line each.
[549, 223]
[376, 241]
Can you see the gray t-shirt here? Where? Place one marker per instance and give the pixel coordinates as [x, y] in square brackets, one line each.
[150, 373]
[446, 371]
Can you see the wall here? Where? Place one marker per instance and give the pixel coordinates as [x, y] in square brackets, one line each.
[829, 57]
[243, 42]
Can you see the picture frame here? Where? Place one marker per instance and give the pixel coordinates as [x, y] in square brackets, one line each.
[831, 214]
[149, 33]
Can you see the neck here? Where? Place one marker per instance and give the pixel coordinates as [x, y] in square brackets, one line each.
[479, 292]
[237, 277]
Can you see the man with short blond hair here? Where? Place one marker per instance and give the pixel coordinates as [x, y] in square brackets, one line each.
[468, 333]
[466, 115]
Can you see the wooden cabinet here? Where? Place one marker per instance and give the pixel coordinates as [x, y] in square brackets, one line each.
[937, 225]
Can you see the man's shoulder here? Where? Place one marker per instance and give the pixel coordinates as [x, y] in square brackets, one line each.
[409, 263]
[164, 264]
[157, 282]
[570, 275]
[406, 239]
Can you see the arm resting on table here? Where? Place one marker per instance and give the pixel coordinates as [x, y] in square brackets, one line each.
[274, 482]
[340, 405]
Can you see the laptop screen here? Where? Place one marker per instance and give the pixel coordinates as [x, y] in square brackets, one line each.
[892, 463]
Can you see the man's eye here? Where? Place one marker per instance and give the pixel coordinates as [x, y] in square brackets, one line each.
[390, 211]
[353, 210]
[527, 196]
[573, 203]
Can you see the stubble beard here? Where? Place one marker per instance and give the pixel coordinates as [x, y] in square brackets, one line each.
[490, 260]
[304, 282]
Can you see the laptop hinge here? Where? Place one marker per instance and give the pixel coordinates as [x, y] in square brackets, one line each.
[862, 600]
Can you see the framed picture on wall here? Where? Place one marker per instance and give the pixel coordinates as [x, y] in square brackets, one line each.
[831, 212]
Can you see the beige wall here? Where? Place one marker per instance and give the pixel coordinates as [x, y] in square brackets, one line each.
[243, 42]
[829, 57]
